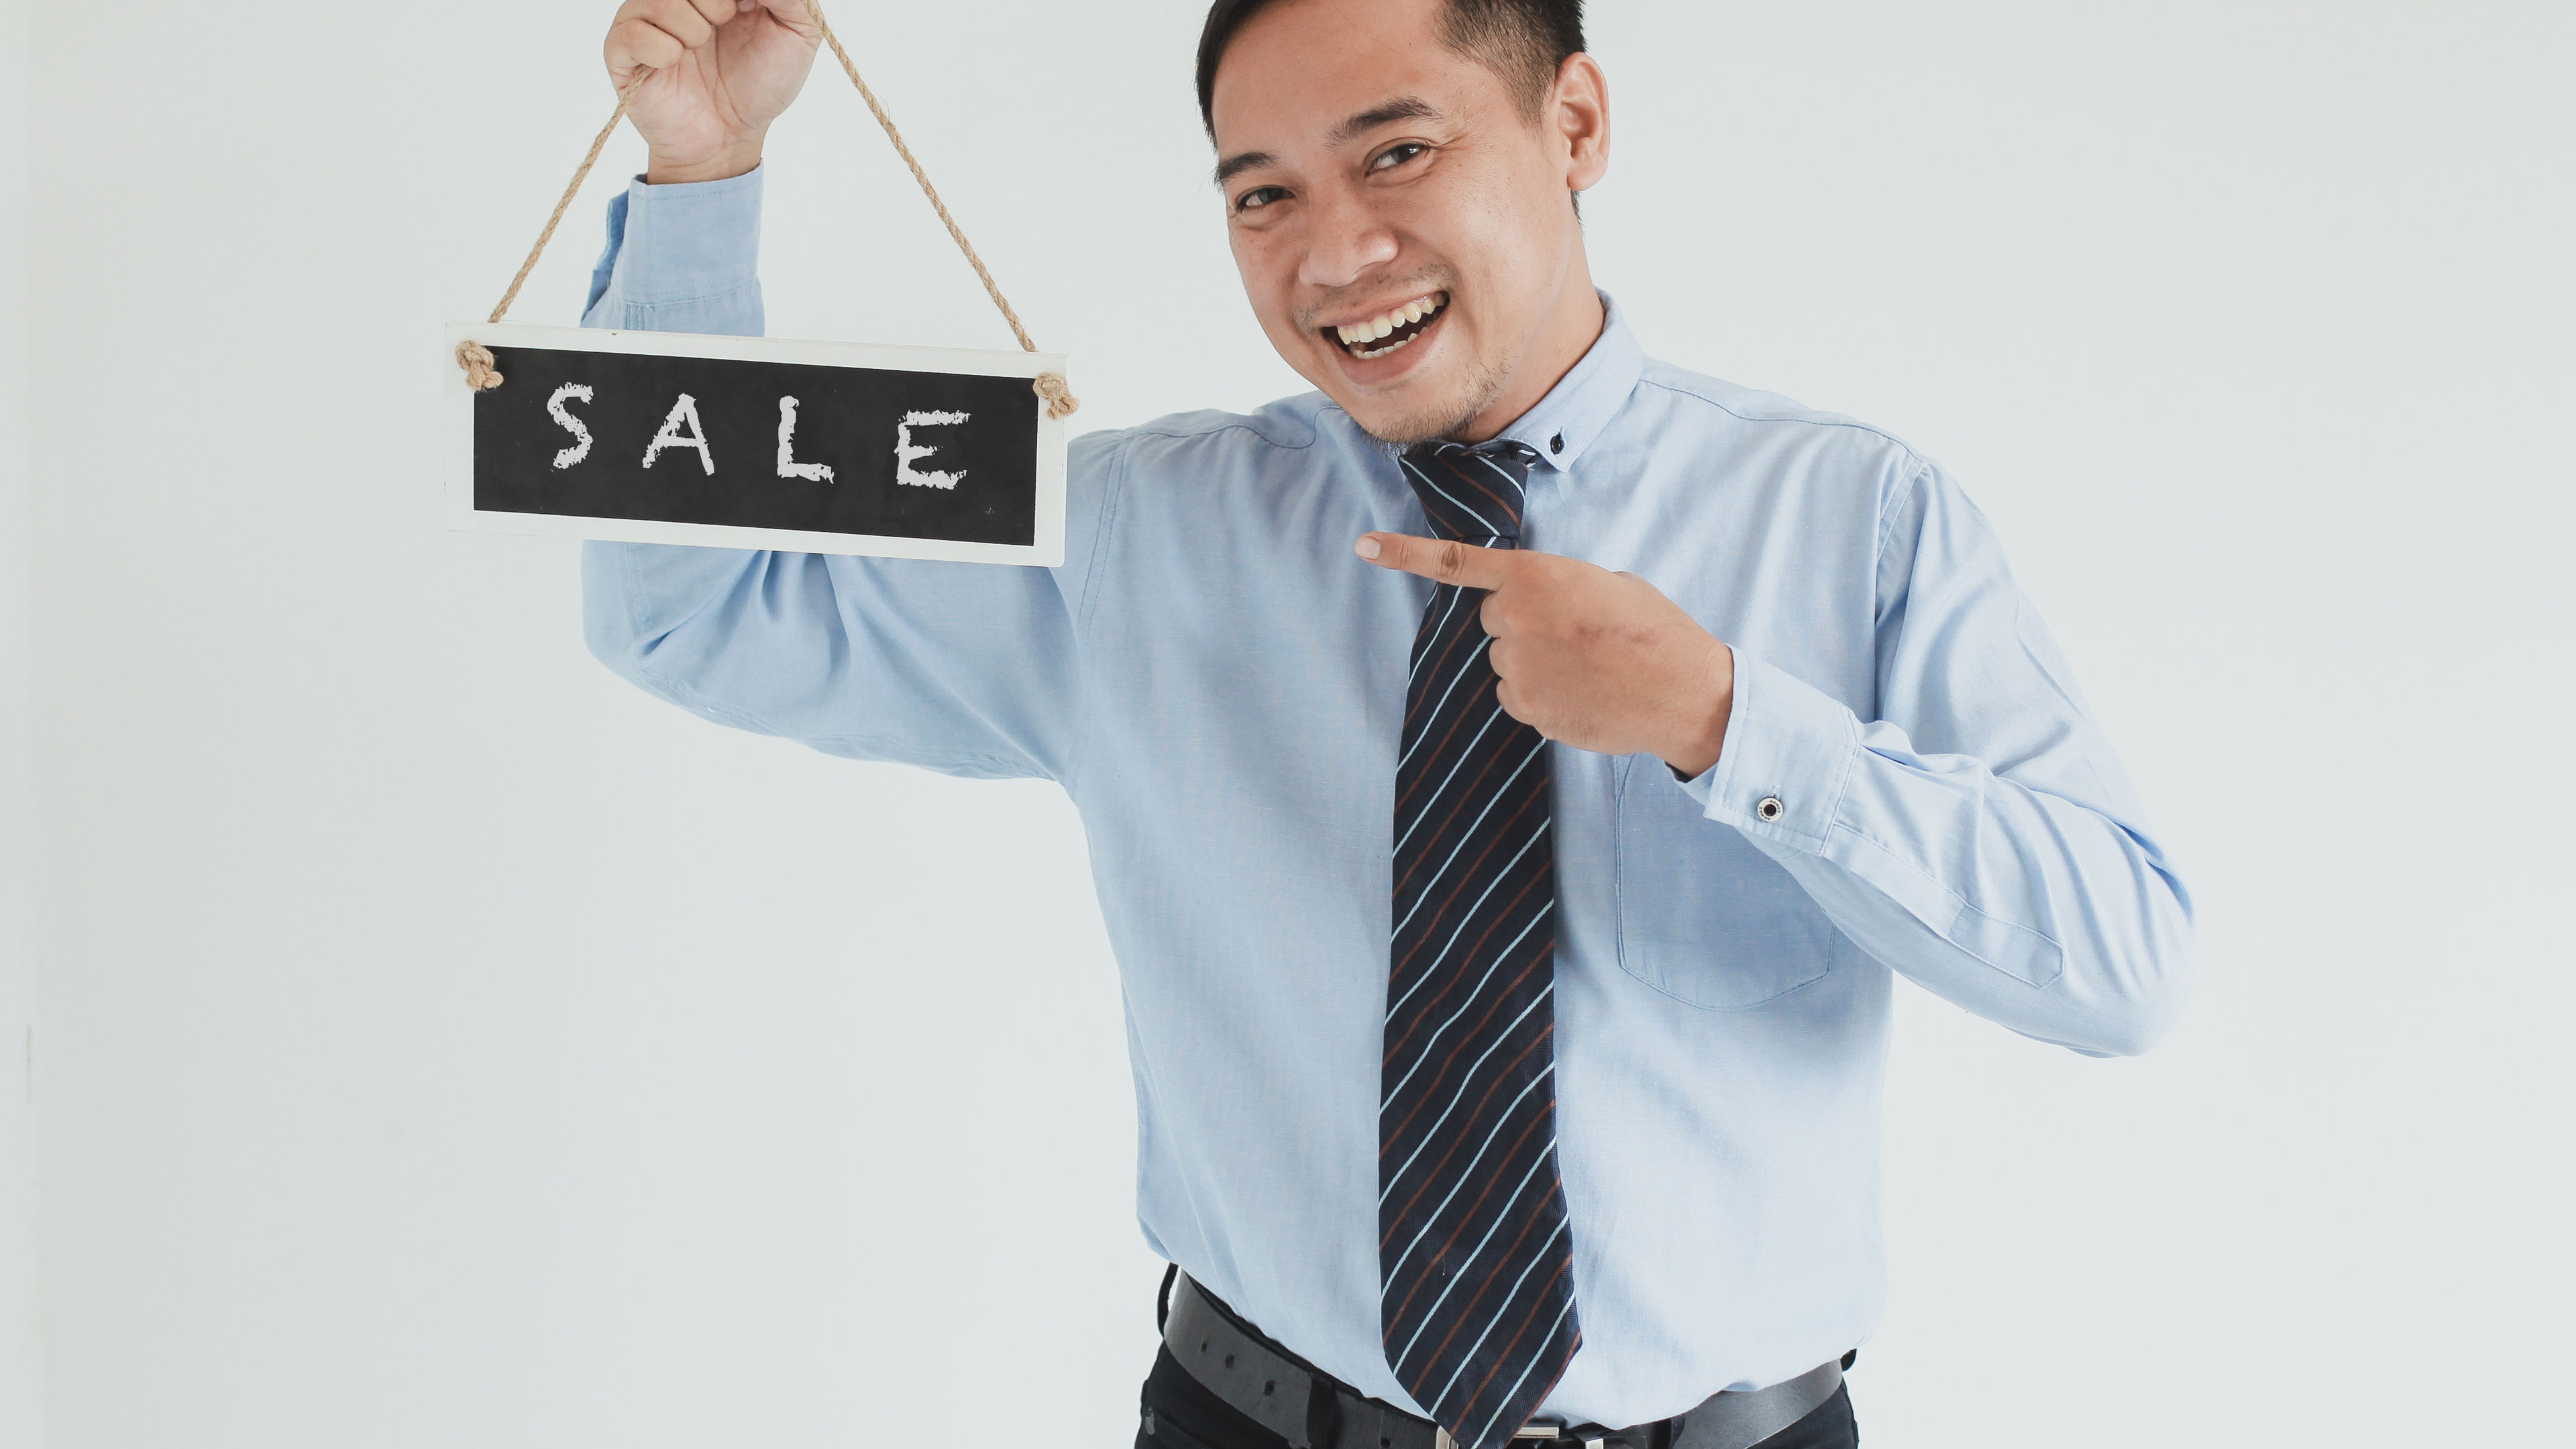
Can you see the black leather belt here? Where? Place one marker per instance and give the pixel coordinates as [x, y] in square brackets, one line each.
[1313, 1410]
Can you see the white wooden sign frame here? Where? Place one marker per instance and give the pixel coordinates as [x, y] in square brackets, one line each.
[1045, 550]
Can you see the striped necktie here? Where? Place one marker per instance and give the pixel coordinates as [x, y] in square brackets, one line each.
[1477, 1272]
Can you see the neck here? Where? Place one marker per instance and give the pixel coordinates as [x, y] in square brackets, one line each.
[1567, 331]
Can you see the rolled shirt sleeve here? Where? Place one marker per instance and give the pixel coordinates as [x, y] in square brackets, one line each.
[1978, 836]
[681, 259]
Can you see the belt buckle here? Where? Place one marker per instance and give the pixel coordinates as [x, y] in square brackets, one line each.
[1586, 1436]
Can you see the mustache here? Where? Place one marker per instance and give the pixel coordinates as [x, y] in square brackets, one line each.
[1436, 279]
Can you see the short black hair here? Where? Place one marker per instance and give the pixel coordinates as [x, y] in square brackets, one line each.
[1523, 41]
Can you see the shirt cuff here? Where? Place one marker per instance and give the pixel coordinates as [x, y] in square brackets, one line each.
[682, 245]
[1788, 756]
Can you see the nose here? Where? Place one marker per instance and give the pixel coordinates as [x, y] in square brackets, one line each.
[1344, 240]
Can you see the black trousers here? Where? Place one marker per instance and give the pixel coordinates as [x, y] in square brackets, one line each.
[1184, 1415]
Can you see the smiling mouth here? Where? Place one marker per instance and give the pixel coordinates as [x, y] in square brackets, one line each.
[1390, 330]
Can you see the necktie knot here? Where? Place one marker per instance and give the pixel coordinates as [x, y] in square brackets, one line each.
[1473, 494]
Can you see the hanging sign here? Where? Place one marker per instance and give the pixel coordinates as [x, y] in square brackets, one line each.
[752, 442]
[748, 442]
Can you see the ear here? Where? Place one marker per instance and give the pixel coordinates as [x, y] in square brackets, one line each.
[1579, 107]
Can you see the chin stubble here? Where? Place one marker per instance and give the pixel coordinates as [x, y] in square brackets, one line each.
[1483, 385]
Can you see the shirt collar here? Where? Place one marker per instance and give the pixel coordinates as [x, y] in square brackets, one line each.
[1584, 400]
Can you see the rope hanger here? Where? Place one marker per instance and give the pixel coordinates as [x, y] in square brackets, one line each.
[477, 359]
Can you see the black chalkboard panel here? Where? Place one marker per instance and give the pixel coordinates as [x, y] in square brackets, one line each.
[751, 442]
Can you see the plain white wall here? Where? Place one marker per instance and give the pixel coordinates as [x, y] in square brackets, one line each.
[20, 1376]
[445, 1044]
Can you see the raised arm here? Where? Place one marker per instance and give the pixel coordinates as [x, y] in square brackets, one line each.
[969, 669]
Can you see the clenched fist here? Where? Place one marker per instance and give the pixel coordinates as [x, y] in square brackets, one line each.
[722, 71]
[1598, 660]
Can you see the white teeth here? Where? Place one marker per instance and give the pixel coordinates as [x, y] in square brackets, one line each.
[1360, 333]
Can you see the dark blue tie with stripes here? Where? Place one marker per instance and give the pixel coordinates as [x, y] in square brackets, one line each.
[1476, 1271]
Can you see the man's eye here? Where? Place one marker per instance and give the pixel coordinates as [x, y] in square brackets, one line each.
[1258, 197]
[1396, 155]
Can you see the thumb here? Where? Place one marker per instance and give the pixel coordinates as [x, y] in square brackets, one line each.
[1444, 560]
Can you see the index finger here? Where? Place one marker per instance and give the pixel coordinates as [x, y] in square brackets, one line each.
[1443, 560]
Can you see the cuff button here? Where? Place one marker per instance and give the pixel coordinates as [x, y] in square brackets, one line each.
[1770, 807]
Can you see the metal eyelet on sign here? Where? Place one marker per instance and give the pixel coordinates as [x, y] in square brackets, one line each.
[1770, 807]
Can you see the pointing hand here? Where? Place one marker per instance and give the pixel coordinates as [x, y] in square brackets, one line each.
[1598, 660]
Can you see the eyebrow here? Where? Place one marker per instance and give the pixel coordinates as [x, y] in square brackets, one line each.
[1402, 108]
[1237, 164]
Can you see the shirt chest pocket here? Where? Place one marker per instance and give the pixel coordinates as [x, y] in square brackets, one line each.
[1703, 916]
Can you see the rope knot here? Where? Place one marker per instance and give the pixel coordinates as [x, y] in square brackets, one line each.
[476, 359]
[1060, 401]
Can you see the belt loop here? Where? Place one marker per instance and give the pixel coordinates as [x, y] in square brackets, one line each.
[1163, 1298]
[1323, 1415]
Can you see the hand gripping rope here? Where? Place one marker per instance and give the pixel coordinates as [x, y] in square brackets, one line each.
[476, 359]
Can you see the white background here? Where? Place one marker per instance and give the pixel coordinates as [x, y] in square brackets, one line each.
[443, 1044]
[20, 1381]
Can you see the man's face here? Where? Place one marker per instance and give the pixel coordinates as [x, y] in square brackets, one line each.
[1404, 230]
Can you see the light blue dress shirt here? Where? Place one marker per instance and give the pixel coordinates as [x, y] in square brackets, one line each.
[1217, 680]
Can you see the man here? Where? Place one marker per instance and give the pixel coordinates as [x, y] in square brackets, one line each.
[1513, 771]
